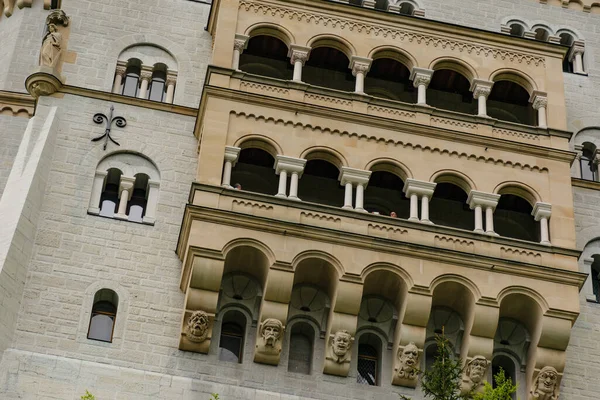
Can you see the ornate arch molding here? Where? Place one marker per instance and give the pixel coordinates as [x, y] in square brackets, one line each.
[532, 294]
[270, 29]
[130, 164]
[514, 76]
[393, 268]
[321, 255]
[456, 65]
[253, 243]
[333, 41]
[519, 189]
[454, 177]
[390, 165]
[327, 154]
[394, 53]
[260, 142]
[461, 280]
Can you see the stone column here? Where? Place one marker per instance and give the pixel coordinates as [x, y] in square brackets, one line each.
[152, 202]
[576, 56]
[171, 79]
[350, 177]
[539, 101]
[479, 201]
[125, 193]
[481, 90]
[542, 212]
[97, 188]
[298, 56]
[421, 78]
[414, 189]
[360, 66]
[231, 155]
[146, 77]
[239, 45]
[588, 288]
[289, 165]
[119, 75]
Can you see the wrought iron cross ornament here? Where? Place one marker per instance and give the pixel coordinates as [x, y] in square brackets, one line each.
[120, 122]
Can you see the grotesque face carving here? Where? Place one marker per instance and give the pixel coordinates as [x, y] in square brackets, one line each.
[544, 387]
[271, 331]
[476, 369]
[341, 343]
[409, 359]
[198, 326]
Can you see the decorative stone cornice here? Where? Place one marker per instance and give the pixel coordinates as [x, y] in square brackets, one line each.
[298, 53]
[289, 164]
[240, 42]
[421, 76]
[480, 87]
[360, 65]
[231, 154]
[420, 188]
[482, 199]
[17, 104]
[541, 210]
[354, 176]
[539, 99]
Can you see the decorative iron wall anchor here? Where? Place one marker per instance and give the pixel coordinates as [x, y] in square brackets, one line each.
[120, 122]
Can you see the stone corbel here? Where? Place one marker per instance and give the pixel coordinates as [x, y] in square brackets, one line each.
[202, 293]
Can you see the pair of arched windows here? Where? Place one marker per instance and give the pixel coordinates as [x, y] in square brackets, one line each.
[143, 82]
[136, 205]
[103, 316]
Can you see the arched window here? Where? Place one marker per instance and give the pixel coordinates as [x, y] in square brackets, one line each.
[254, 171]
[566, 39]
[390, 79]
[368, 363]
[131, 81]
[588, 163]
[109, 199]
[407, 9]
[328, 67]
[158, 83]
[319, 183]
[448, 207]
[595, 276]
[385, 195]
[430, 353]
[541, 34]
[301, 348]
[517, 30]
[513, 218]
[508, 366]
[231, 342]
[509, 101]
[136, 207]
[104, 314]
[450, 90]
[267, 56]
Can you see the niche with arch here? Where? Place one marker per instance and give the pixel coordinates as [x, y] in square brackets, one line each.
[301, 345]
[368, 363]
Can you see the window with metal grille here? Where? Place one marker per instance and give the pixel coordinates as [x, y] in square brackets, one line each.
[368, 359]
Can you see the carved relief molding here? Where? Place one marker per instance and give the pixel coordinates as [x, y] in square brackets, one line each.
[394, 33]
[16, 104]
[590, 6]
[399, 143]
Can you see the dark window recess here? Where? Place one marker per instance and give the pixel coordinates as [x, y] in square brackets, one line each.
[367, 365]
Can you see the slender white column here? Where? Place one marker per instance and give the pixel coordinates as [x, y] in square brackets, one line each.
[281, 192]
[171, 79]
[360, 196]
[146, 76]
[231, 156]
[152, 202]
[481, 90]
[479, 201]
[421, 78]
[478, 219]
[414, 207]
[294, 186]
[360, 66]
[542, 212]
[97, 187]
[588, 288]
[119, 75]
[239, 45]
[576, 56]
[298, 56]
[489, 221]
[348, 196]
[578, 63]
[125, 192]
[425, 209]
[539, 101]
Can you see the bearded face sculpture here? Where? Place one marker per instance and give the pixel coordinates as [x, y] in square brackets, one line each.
[268, 342]
[197, 327]
[407, 370]
[270, 331]
[474, 375]
[341, 343]
[545, 386]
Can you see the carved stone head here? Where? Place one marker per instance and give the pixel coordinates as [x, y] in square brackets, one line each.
[270, 331]
[341, 343]
[198, 326]
[476, 369]
[408, 361]
[545, 384]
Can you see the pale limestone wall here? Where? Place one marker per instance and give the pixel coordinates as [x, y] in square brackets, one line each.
[11, 132]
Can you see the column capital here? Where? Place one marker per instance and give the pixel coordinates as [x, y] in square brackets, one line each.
[481, 87]
[421, 76]
[529, 35]
[354, 176]
[121, 70]
[146, 74]
[289, 164]
[240, 42]
[420, 188]
[153, 184]
[100, 173]
[360, 65]
[171, 79]
[298, 53]
[541, 210]
[578, 47]
[126, 184]
[482, 199]
[231, 154]
[539, 99]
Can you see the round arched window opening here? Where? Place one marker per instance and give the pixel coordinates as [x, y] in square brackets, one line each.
[267, 56]
[319, 184]
[450, 90]
[513, 219]
[328, 67]
[254, 171]
[104, 314]
[509, 101]
[390, 79]
[231, 341]
[132, 78]
[517, 30]
[368, 363]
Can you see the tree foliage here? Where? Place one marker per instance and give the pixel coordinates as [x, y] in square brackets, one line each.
[442, 381]
[88, 396]
[503, 390]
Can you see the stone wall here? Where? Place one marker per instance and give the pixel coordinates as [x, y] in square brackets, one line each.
[11, 134]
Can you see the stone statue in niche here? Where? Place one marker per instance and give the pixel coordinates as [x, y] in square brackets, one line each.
[51, 47]
[545, 385]
[197, 327]
[407, 371]
[474, 375]
[268, 346]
